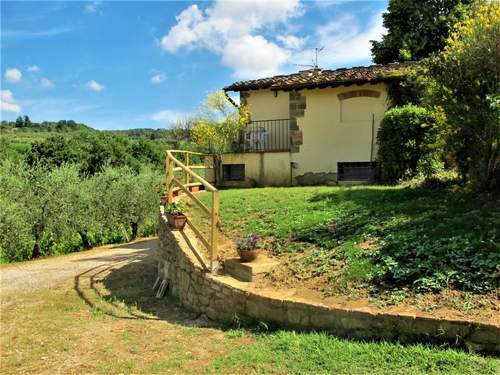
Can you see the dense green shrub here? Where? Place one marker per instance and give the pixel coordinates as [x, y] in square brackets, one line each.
[407, 142]
[463, 81]
[93, 152]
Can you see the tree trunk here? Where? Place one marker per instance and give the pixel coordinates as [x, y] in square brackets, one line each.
[85, 240]
[217, 170]
[36, 250]
[135, 230]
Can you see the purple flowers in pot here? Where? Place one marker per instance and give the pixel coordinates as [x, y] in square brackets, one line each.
[249, 242]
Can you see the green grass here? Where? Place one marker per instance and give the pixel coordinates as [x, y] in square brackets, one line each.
[317, 353]
[423, 239]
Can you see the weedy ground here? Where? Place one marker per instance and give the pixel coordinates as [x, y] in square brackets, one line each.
[431, 247]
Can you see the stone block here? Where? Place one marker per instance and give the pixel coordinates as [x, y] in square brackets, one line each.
[486, 335]
[249, 271]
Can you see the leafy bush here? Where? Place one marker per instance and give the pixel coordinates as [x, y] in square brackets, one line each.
[406, 140]
[463, 82]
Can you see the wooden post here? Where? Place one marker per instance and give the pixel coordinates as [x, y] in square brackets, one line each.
[186, 163]
[170, 177]
[213, 231]
[166, 171]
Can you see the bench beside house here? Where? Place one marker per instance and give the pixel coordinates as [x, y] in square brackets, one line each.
[311, 127]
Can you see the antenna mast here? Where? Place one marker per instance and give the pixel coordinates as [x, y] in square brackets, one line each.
[316, 52]
[314, 61]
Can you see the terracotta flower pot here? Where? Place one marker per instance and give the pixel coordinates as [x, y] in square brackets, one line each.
[194, 189]
[248, 255]
[176, 222]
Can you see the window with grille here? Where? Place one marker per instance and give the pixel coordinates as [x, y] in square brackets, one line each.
[356, 170]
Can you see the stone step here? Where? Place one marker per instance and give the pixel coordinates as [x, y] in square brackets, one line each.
[249, 271]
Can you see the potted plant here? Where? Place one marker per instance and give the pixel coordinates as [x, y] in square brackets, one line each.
[163, 195]
[247, 247]
[175, 215]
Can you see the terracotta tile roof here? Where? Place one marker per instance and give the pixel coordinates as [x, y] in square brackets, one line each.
[317, 78]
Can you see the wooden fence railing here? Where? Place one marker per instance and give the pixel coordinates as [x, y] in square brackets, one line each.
[182, 184]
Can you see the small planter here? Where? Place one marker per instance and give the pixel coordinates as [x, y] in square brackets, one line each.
[194, 189]
[176, 222]
[248, 255]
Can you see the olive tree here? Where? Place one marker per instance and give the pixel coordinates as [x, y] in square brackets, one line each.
[128, 198]
[37, 199]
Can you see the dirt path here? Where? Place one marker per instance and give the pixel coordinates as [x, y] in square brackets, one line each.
[46, 273]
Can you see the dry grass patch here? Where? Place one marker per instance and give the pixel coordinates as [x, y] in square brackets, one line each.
[105, 322]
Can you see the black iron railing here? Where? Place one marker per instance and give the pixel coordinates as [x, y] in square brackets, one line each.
[264, 135]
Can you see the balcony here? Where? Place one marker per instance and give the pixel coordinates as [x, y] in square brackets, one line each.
[264, 136]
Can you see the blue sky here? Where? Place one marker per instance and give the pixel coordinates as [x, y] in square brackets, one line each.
[119, 65]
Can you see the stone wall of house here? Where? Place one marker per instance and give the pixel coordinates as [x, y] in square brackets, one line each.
[297, 107]
[221, 300]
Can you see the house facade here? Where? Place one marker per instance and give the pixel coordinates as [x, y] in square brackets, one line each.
[312, 127]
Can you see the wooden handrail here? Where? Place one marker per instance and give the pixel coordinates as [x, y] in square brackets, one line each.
[208, 185]
[182, 184]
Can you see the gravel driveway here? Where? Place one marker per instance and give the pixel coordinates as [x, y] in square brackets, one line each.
[45, 273]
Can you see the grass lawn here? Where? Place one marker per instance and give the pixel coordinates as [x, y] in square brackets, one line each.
[107, 322]
[381, 239]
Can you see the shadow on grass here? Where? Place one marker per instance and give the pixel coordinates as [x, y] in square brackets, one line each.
[122, 288]
[429, 238]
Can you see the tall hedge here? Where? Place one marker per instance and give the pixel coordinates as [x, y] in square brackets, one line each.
[406, 140]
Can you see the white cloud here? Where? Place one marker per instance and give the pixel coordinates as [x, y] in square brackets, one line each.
[8, 103]
[92, 7]
[224, 26]
[169, 117]
[13, 75]
[158, 78]
[47, 83]
[344, 40]
[37, 33]
[33, 69]
[184, 32]
[291, 41]
[258, 38]
[94, 86]
[265, 59]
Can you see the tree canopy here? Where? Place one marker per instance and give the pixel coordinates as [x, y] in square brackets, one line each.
[415, 29]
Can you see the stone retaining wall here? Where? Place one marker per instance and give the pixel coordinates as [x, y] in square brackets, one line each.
[221, 298]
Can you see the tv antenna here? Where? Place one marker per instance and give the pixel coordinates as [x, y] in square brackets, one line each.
[314, 61]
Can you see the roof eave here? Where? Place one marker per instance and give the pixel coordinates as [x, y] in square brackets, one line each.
[239, 88]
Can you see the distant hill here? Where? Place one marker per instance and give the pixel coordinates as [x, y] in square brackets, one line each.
[151, 134]
[23, 132]
[23, 124]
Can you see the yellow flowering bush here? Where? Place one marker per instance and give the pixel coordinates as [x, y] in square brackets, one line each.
[219, 123]
[463, 82]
